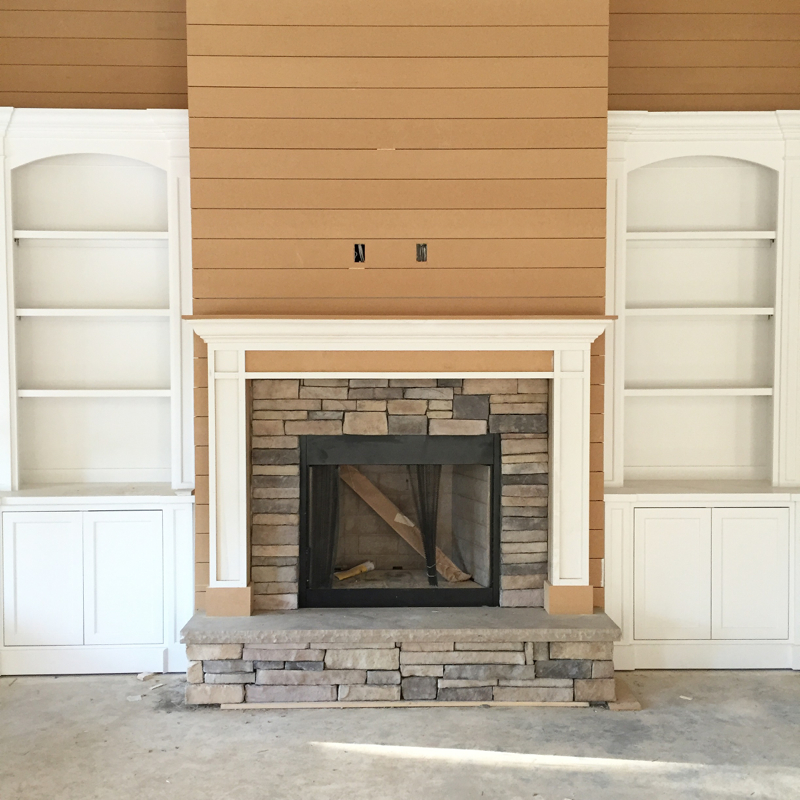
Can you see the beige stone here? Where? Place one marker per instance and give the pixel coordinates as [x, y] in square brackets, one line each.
[338, 405]
[348, 692]
[524, 558]
[440, 415]
[440, 405]
[529, 655]
[603, 669]
[324, 392]
[353, 645]
[521, 598]
[525, 490]
[597, 651]
[522, 581]
[280, 415]
[257, 648]
[414, 407]
[426, 647]
[489, 645]
[524, 547]
[275, 389]
[275, 442]
[422, 670]
[275, 588]
[299, 676]
[463, 657]
[545, 683]
[533, 385]
[287, 405]
[522, 446]
[267, 427]
[274, 602]
[595, 690]
[276, 550]
[457, 427]
[276, 469]
[465, 684]
[199, 694]
[489, 386]
[266, 494]
[362, 659]
[275, 654]
[523, 469]
[365, 423]
[194, 672]
[274, 574]
[370, 405]
[291, 694]
[274, 535]
[519, 408]
[220, 678]
[276, 519]
[314, 427]
[526, 458]
[213, 652]
[532, 695]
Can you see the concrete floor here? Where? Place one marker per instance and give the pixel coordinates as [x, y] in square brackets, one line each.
[83, 738]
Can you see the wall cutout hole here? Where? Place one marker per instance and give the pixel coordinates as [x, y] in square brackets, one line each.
[360, 253]
[422, 252]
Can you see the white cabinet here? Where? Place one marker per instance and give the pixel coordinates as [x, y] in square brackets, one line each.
[672, 548]
[750, 573]
[42, 579]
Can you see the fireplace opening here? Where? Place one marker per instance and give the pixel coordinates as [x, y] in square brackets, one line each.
[399, 520]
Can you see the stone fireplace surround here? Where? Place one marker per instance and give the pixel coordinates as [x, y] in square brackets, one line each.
[245, 354]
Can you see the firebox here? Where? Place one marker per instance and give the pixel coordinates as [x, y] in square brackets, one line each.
[399, 521]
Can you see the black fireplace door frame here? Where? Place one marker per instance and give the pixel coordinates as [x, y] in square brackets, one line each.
[403, 450]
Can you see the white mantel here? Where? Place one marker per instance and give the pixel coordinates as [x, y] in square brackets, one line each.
[228, 340]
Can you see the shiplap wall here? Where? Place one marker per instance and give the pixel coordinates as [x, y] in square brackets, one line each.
[475, 126]
[704, 55]
[93, 53]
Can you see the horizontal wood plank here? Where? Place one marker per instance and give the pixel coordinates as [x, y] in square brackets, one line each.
[95, 52]
[416, 134]
[717, 80]
[409, 41]
[702, 102]
[89, 24]
[702, 27]
[104, 6]
[361, 225]
[399, 164]
[398, 253]
[703, 7]
[424, 73]
[705, 54]
[411, 283]
[401, 194]
[128, 79]
[416, 12]
[88, 99]
[397, 103]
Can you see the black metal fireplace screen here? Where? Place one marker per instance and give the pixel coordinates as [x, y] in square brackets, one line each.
[399, 521]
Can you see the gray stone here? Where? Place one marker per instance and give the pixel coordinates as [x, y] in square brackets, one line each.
[231, 665]
[274, 602]
[369, 693]
[597, 651]
[313, 427]
[383, 677]
[439, 393]
[213, 652]
[273, 389]
[276, 442]
[522, 598]
[194, 672]
[277, 664]
[337, 415]
[257, 654]
[483, 672]
[471, 406]
[515, 423]
[463, 657]
[489, 646]
[564, 669]
[546, 683]
[490, 385]
[368, 383]
[363, 659]
[275, 482]
[600, 690]
[324, 392]
[308, 666]
[603, 669]
[414, 383]
[325, 382]
[290, 694]
[300, 677]
[231, 677]
[457, 427]
[513, 694]
[444, 683]
[541, 651]
[274, 574]
[522, 582]
[277, 456]
[369, 423]
[199, 694]
[451, 382]
[375, 394]
[427, 647]
[275, 505]
[475, 694]
[419, 688]
[529, 568]
[408, 426]
[535, 525]
[406, 407]
[422, 671]
[352, 645]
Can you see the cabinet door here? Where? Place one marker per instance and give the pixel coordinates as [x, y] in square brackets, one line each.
[124, 587]
[42, 578]
[750, 554]
[672, 573]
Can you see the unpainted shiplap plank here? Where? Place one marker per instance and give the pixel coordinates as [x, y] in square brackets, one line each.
[91, 24]
[703, 6]
[709, 80]
[442, 41]
[109, 79]
[703, 102]
[104, 6]
[397, 103]
[702, 27]
[379, 194]
[399, 164]
[706, 54]
[398, 253]
[399, 73]
[96, 52]
[415, 134]
[566, 223]
[409, 12]
[84, 99]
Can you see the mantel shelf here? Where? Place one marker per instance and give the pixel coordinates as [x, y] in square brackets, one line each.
[92, 312]
[760, 391]
[94, 393]
[119, 235]
[700, 312]
[698, 235]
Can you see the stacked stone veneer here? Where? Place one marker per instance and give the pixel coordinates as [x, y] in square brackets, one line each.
[284, 410]
[513, 671]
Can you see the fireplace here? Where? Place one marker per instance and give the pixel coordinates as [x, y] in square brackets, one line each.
[399, 520]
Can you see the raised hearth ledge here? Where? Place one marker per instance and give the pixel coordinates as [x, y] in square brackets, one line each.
[375, 625]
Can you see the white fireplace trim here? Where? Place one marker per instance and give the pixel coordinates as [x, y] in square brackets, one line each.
[228, 339]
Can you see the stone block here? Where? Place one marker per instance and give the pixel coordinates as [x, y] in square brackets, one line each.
[276, 550]
[527, 568]
[522, 582]
[405, 407]
[519, 408]
[437, 405]
[279, 415]
[368, 383]
[519, 524]
[538, 385]
[282, 494]
[524, 547]
[452, 382]
[286, 405]
[338, 415]
[457, 427]
[515, 478]
[275, 442]
[324, 382]
[547, 683]
[375, 394]
[257, 654]
[408, 426]
[541, 651]
[529, 657]
[427, 647]
[254, 648]
[276, 535]
[525, 536]
[422, 670]
[414, 383]
[230, 677]
[274, 588]
[308, 666]
[276, 482]
[352, 645]
[290, 694]
[522, 598]
[276, 457]
[564, 669]
[353, 694]
[489, 646]
[371, 405]
[488, 672]
[267, 427]
[438, 393]
[202, 694]
[363, 659]
[228, 665]
[603, 669]
[444, 683]
[419, 688]
[275, 389]
[274, 574]
[383, 677]
[276, 505]
[299, 677]
[440, 414]
[276, 469]
[213, 652]
[339, 405]
[596, 651]
[365, 423]
[276, 519]
[476, 694]
[514, 694]
[471, 406]
[463, 657]
[277, 664]
[194, 672]
[314, 427]
[490, 386]
[323, 392]
[517, 446]
[595, 690]
[511, 423]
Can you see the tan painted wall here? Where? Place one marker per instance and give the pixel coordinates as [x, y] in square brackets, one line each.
[704, 55]
[93, 53]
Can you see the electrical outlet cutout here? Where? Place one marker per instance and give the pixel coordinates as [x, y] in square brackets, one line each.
[422, 252]
[359, 253]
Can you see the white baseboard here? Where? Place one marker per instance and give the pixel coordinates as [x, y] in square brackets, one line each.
[84, 660]
[706, 655]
